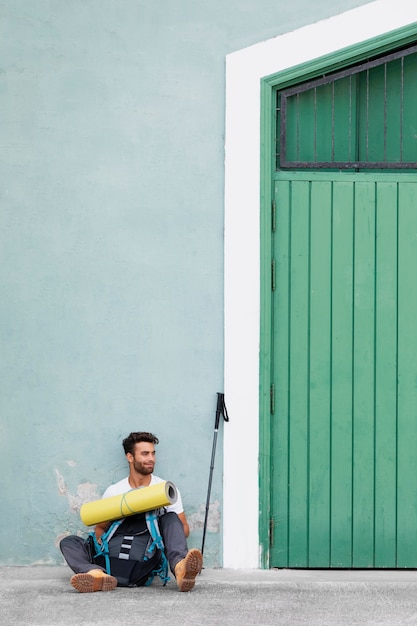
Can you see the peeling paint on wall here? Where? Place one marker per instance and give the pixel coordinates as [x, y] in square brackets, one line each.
[196, 520]
[86, 492]
[62, 489]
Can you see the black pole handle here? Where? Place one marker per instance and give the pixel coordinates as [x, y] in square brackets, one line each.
[220, 410]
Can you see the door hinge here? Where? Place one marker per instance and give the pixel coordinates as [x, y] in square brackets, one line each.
[271, 531]
[272, 398]
[273, 274]
[273, 216]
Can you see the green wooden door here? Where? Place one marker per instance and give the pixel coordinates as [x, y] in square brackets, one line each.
[344, 428]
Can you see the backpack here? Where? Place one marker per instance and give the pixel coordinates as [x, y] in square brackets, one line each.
[132, 550]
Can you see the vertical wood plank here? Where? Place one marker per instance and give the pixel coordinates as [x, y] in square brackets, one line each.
[373, 114]
[298, 381]
[386, 376]
[307, 127]
[345, 128]
[407, 377]
[319, 375]
[393, 111]
[280, 376]
[341, 376]
[364, 376]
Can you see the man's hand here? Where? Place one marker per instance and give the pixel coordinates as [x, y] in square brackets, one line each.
[100, 529]
[184, 523]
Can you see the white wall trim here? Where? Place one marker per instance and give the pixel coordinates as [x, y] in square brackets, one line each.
[244, 70]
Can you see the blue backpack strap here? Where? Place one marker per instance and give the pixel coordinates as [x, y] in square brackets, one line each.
[102, 549]
[157, 543]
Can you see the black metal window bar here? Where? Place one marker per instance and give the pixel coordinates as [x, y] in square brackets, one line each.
[359, 118]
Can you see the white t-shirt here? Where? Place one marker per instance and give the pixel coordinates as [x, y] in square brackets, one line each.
[123, 486]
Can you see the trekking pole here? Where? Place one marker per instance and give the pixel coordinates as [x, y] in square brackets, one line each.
[220, 410]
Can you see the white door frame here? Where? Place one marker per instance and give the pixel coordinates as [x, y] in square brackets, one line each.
[244, 71]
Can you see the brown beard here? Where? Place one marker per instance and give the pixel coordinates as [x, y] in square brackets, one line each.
[141, 469]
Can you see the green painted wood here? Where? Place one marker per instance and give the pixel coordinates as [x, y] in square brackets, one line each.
[280, 374]
[319, 424]
[298, 375]
[265, 356]
[363, 374]
[409, 114]
[274, 479]
[340, 381]
[394, 123]
[386, 375]
[311, 117]
[407, 378]
[344, 469]
[344, 113]
[369, 116]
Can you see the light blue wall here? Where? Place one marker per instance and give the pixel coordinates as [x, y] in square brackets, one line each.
[111, 248]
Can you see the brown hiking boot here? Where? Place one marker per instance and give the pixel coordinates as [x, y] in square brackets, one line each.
[94, 580]
[187, 570]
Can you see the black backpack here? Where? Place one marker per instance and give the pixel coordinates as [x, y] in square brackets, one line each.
[132, 550]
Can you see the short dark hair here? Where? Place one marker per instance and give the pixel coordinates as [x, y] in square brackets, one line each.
[134, 438]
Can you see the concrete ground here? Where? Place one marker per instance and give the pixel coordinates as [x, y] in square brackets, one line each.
[42, 596]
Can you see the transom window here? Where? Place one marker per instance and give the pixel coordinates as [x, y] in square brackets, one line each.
[360, 118]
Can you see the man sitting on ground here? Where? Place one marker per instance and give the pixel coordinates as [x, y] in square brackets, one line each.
[133, 567]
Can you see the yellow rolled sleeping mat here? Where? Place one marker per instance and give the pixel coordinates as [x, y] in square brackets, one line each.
[136, 501]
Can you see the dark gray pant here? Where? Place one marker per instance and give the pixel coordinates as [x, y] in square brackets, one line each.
[77, 555]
